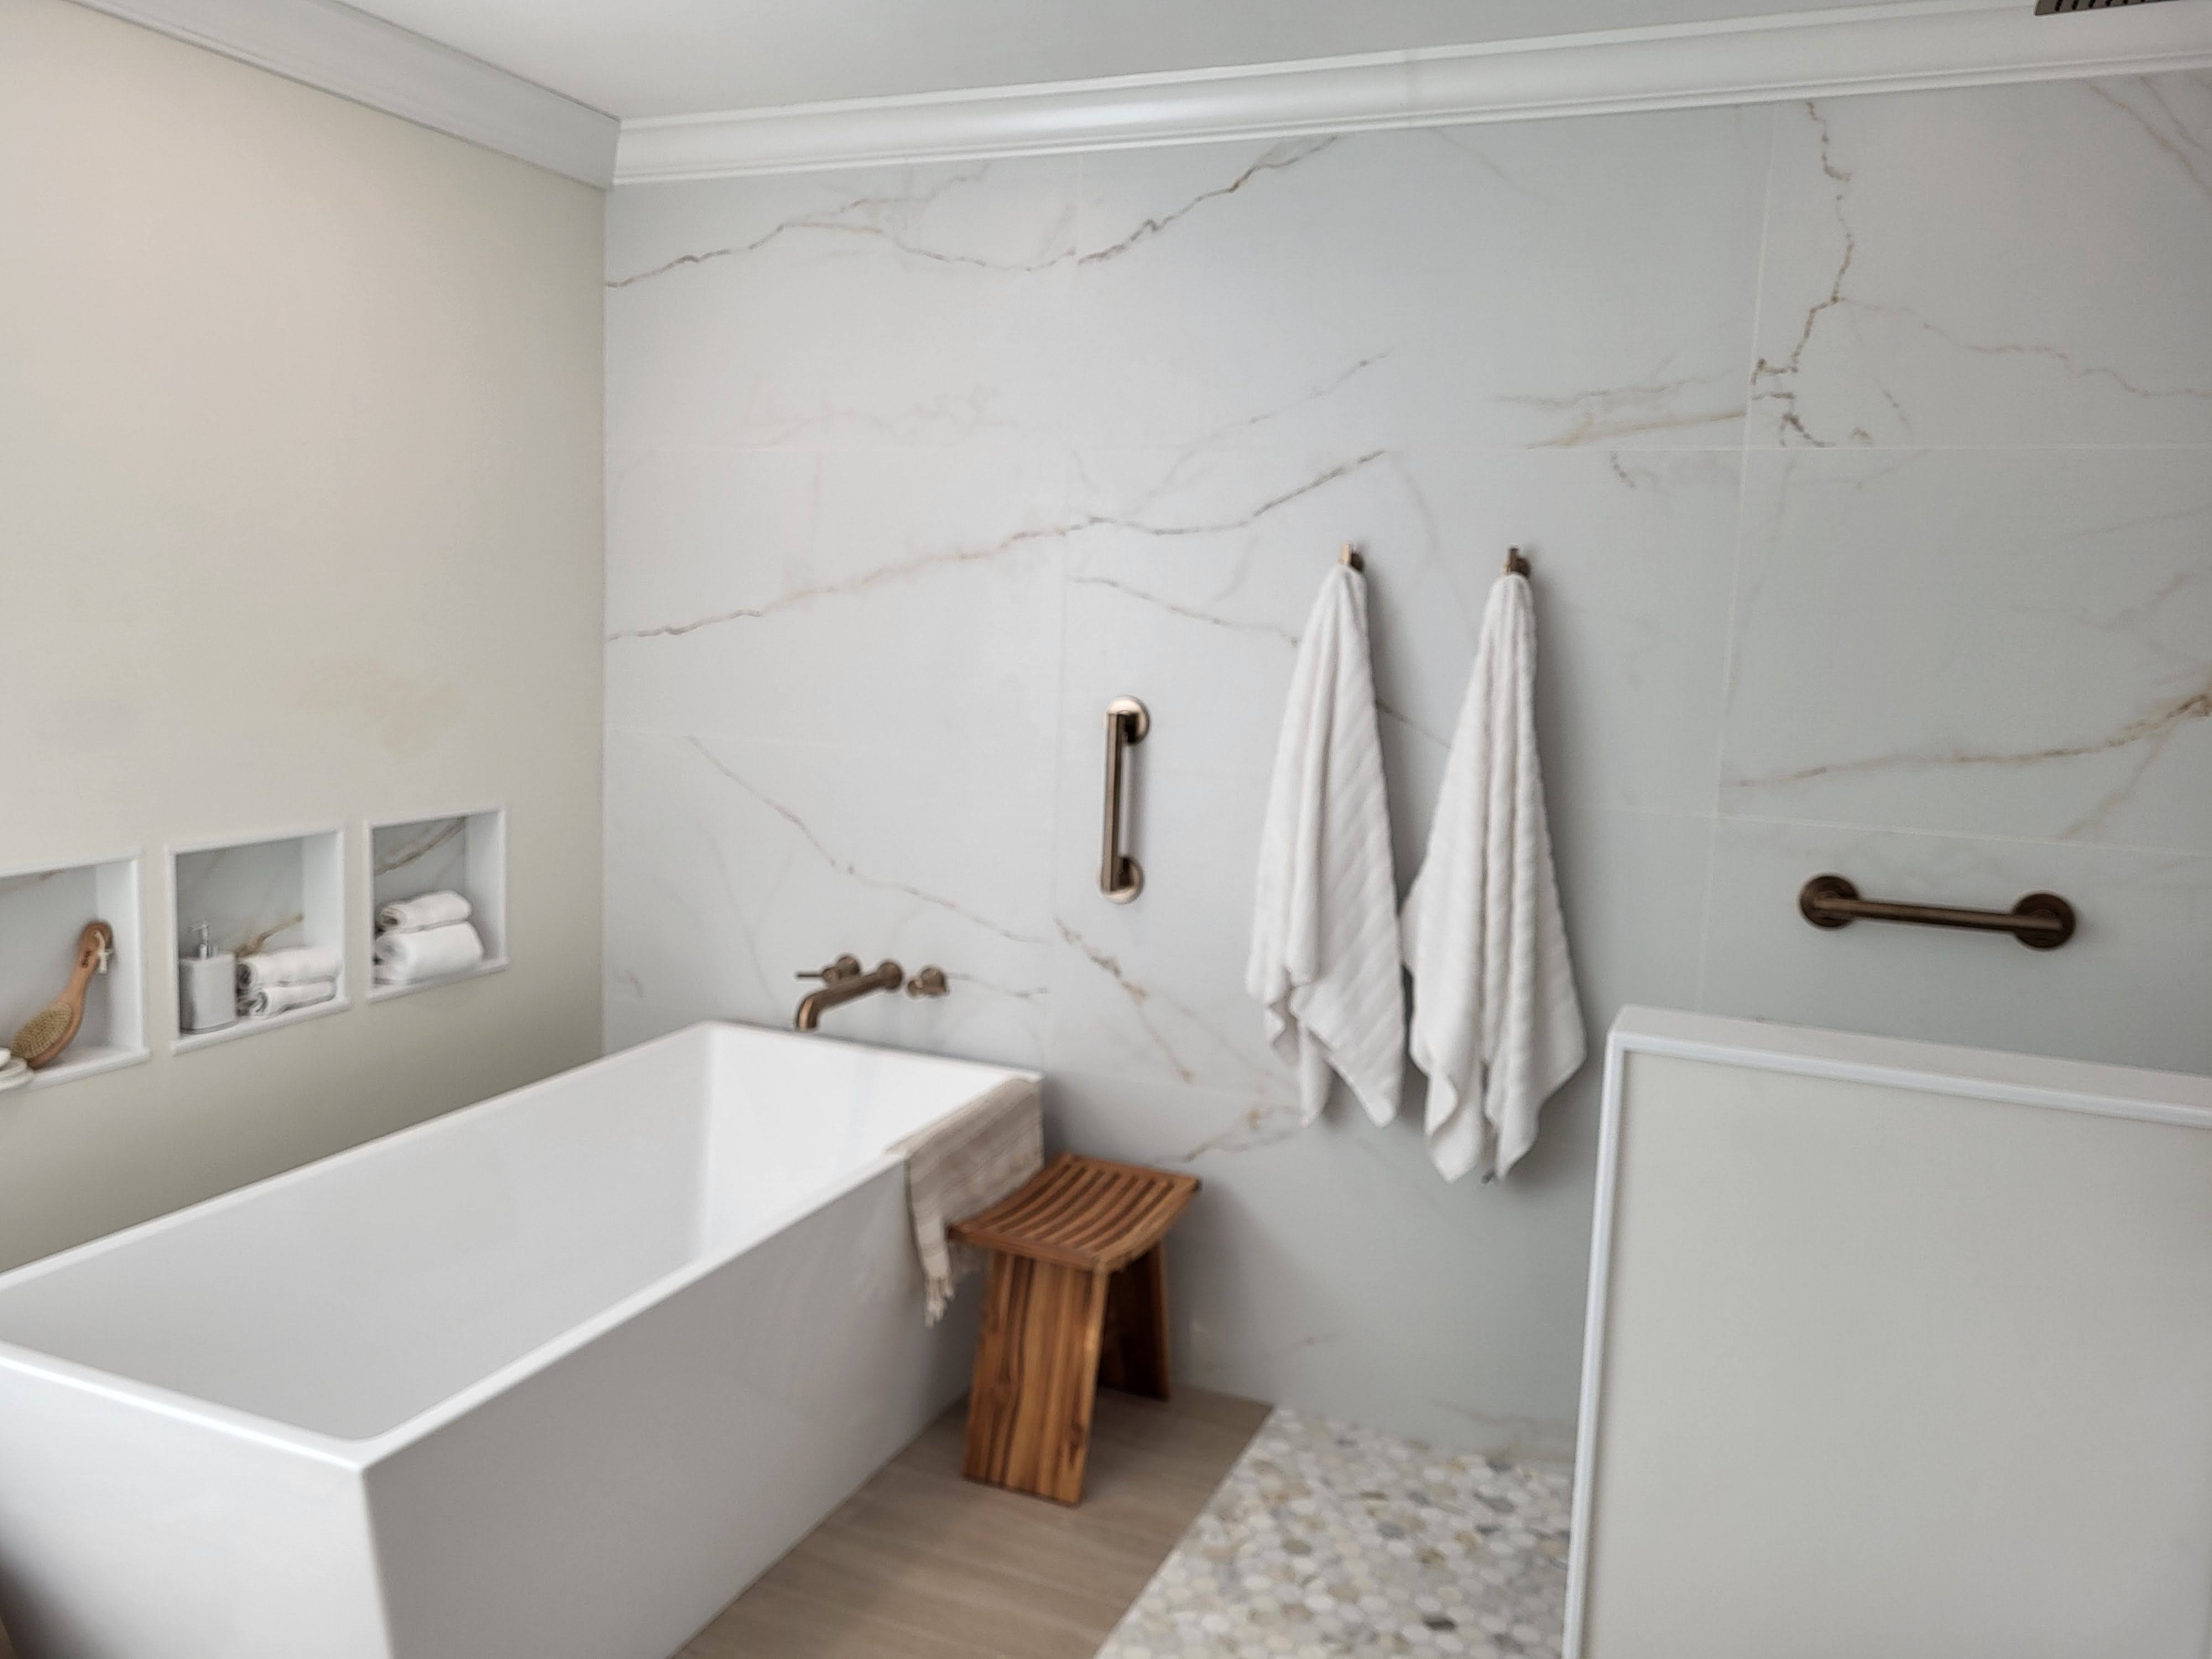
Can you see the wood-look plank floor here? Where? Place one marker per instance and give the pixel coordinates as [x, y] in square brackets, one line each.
[919, 1564]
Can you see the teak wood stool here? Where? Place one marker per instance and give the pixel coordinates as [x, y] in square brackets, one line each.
[1077, 1296]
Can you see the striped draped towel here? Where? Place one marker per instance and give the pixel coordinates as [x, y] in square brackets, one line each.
[962, 1165]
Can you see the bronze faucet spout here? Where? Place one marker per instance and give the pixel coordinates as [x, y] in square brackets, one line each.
[887, 976]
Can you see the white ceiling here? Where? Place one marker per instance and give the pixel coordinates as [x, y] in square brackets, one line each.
[643, 57]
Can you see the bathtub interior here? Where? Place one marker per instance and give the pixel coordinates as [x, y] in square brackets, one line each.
[791, 1117]
[349, 1297]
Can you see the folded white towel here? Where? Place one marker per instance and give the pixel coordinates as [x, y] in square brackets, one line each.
[964, 1165]
[407, 958]
[1324, 958]
[1496, 1022]
[300, 965]
[283, 999]
[418, 914]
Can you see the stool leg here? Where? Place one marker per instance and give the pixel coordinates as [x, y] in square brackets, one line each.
[1135, 1359]
[1037, 1376]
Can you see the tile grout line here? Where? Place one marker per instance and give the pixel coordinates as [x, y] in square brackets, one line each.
[1705, 903]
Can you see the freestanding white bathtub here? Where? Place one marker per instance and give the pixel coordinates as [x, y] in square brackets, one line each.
[553, 1377]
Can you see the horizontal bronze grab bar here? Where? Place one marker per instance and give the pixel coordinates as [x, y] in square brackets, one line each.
[2041, 921]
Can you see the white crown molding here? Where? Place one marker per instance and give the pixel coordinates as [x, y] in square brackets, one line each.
[1917, 44]
[338, 49]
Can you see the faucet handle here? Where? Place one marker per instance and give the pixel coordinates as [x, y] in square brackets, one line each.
[929, 982]
[846, 967]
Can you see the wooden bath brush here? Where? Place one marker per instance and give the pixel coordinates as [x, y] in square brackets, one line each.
[54, 1027]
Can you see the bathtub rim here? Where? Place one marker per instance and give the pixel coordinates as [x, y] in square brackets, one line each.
[359, 1454]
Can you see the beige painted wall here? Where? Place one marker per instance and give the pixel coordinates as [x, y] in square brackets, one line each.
[300, 524]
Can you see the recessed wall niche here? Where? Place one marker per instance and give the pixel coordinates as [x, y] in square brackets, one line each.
[42, 912]
[264, 895]
[463, 852]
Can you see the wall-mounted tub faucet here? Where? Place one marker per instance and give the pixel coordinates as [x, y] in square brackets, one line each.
[843, 981]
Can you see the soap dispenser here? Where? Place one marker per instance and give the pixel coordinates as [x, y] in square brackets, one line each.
[207, 987]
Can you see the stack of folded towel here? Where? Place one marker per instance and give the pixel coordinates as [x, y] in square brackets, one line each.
[277, 982]
[425, 938]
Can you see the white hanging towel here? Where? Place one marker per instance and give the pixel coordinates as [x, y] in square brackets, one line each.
[1496, 1023]
[1324, 928]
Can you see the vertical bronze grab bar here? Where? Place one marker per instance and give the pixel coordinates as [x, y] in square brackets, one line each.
[2041, 921]
[1120, 877]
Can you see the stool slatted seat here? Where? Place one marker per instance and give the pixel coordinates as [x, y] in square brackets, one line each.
[1077, 1296]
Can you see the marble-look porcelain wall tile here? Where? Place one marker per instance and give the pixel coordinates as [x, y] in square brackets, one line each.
[876, 598]
[1155, 989]
[407, 860]
[694, 534]
[734, 866]
[895, 307]
[2002, 265]
[1573, 283]
[2130, 989]
[248, 895]
[1196, 571]
[1633, 888]
[1192, 578]
[1328, 1264]
[1632, 556]
[1999, 642]
[630, 1022]
[912, 470]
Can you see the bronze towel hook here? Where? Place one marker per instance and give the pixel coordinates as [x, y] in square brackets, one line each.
[1515, 564]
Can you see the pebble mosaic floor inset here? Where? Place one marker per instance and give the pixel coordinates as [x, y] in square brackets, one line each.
[1327, 1539]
